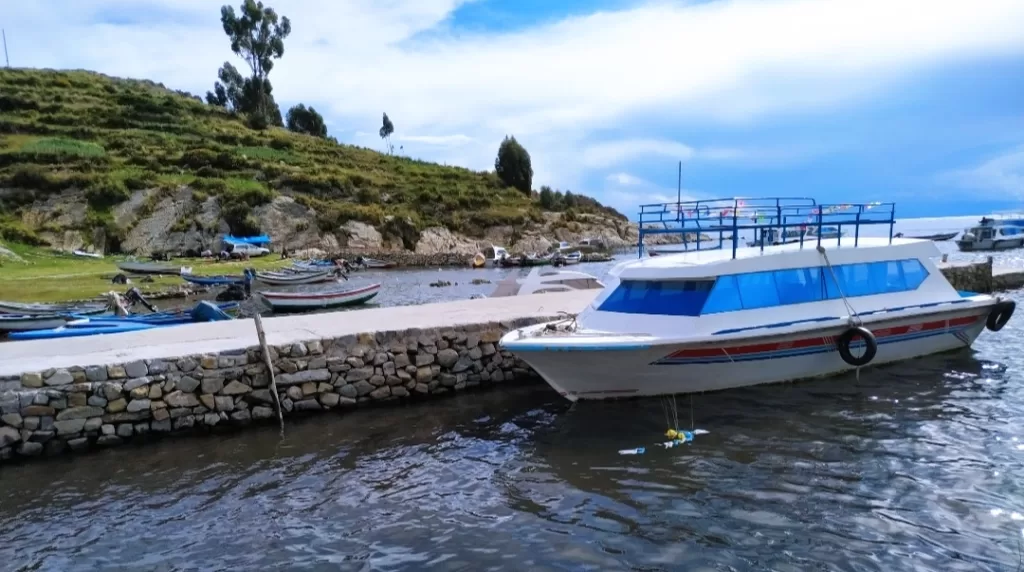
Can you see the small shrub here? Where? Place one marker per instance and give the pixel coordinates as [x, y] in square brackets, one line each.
[106, 193]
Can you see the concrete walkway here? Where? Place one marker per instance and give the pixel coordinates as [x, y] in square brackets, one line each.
[191, 339]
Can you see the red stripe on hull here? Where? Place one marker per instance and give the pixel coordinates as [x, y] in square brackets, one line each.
[818, 341]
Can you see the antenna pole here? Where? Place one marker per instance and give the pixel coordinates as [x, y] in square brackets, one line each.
[6, 57]
[679, 186]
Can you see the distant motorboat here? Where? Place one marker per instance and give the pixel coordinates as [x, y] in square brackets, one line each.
[993, 234]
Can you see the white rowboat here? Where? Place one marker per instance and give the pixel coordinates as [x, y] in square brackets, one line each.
[301, 301]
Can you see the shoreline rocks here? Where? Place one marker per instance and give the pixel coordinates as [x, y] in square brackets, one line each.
[75, 409]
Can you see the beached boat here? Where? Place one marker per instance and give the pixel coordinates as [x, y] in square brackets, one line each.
[21, 309]
[373, 263]
[541, 281]
[725, 318]
[213, 280]
[202, 312]
[148, 268]
[16, 323]
[302, 301]
[940, 237]
[85, 254]
[294, 279]
[83, 327]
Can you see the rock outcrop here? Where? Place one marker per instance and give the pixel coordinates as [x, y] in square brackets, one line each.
[183, 221]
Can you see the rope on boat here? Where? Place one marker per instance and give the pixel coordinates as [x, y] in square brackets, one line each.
[854, 317]
[854, 320]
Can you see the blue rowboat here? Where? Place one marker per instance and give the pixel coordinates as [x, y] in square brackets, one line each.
[85, 327]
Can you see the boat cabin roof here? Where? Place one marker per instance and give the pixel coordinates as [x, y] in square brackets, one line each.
[716, 262]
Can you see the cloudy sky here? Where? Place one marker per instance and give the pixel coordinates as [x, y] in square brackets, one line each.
[921, 102]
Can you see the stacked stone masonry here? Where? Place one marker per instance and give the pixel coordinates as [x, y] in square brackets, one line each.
[79, 408]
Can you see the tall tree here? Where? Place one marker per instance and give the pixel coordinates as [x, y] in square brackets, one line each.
[513, 165]
[257, 35]
[302, 119]
[385, 133]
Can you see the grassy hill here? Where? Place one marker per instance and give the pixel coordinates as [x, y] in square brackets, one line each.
[104, 138]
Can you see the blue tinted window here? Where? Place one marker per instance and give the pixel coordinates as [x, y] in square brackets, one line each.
[799, 285]
[671, 298]
[757, 290]
[913, 273]
[725, 296]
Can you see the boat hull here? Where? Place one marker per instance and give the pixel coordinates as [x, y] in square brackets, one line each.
[989, 244]
[13, 323]
[304, 301]
[667, 369]
[295, 279]
[212, 280]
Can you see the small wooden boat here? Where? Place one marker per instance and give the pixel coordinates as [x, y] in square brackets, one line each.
[301, 301]
[202, 312]
[148, 268]
[283, 279]
[307, 265]
[212, 280]
[937, 237]
[49, 309]
[15, 323]
[377, 264]
[86, 254]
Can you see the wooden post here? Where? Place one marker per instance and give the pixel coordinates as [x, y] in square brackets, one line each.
[270, 371]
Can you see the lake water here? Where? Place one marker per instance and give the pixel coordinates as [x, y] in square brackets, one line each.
[915, 466]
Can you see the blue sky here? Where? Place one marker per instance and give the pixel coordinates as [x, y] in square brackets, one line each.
[921, 102]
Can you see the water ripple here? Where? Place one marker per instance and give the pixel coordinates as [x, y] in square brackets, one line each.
[913, 467]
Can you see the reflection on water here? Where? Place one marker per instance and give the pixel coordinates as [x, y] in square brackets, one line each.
[917, 466]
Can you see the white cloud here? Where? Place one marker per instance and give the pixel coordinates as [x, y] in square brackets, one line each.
[1001, 176]
[554, 85]
[625, 179]
[439, 140]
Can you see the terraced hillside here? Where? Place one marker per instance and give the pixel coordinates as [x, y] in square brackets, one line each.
[111, 164]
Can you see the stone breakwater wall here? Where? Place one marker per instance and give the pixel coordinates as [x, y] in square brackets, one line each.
[75, 409]
[976, 277]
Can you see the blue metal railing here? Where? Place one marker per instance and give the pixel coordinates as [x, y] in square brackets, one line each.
[774, 220]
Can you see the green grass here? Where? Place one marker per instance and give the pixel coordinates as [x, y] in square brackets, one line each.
[48, 276]
[60, 146]
[106, 136]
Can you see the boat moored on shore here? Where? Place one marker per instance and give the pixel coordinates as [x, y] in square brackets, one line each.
[723, 318]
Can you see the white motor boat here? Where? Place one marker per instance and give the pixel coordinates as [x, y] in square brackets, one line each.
[717, 319]
[544, 280]
[1004, 233]
[490, 257]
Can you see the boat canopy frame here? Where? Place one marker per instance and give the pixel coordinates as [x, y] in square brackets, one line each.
[762, 215]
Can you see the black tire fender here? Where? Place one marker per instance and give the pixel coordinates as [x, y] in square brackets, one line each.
[847, 337]
[1000, 315]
